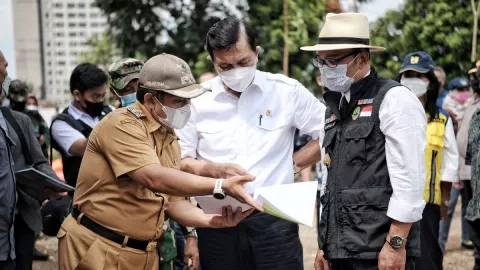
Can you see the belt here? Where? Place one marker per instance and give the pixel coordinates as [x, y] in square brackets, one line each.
[125, 241]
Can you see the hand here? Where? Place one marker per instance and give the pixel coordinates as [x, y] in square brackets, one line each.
[224, 170]
[191, 255]
[443, 211]
[458, 185]
[228, 219]
[52, 194]
[392, 259]
[234, 187]
[320, 262]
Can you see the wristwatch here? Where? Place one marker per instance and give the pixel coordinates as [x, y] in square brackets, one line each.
[296, 169]
[395, 241]
[446, 202]
[218, 192]
[192, 233]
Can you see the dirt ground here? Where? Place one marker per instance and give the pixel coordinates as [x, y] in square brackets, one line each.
[455, 258]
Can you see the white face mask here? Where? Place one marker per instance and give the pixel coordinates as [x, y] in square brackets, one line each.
[31, 108]
[176, 118]
[416, 85]
[336, 79]
[239, 79]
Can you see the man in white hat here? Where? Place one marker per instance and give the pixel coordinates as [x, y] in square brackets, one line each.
[375, 141]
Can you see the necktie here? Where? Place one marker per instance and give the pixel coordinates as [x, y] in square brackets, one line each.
[344, 107]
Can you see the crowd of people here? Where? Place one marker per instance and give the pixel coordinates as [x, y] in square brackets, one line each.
[391, 158]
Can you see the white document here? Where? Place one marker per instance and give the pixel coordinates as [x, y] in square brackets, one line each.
[292, 202]
[211, 205]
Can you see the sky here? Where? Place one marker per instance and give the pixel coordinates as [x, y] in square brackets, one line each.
[374, 10]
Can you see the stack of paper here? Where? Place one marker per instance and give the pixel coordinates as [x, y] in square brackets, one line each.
[292, 202]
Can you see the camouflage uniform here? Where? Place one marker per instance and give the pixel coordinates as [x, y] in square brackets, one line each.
[121, 73]
[18, 95]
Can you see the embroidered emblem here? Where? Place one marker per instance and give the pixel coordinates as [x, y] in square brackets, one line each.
[356, 113]
[365, 101]
[366, 111]
[331, 119]
[137, 112]
[327, 160]
[414, 60]
[268, 113]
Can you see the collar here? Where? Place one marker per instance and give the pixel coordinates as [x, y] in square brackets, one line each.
[347, 94]
[217, 86]
[76, 113]
[150, 122]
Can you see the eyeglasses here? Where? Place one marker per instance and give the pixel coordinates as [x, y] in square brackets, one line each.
[330, 62]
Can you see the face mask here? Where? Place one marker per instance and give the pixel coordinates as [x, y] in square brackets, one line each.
[18, 106]
[462, 97]
[128, 99]
[416, 85]
[239, 79]
[5, 86]
[31, 108]
[336, 79]
[176, 118]
[94, 109]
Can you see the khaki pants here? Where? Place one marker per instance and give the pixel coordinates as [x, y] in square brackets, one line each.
[80, 248]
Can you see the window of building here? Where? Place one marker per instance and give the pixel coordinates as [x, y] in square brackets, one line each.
[72, 34]
[71, 5]
[60, 53]
[71, 15]
[81, 15]
[61, 63]
[59, 72]
[58, 5]
[73, 43]
[94, 15]
[59, 24]
[50, 82]
[59, 34]
[48, 43]
[81, 5]
[59, 44]
[94, 25]
[50, 73]
[73, 53]
[82, 34]
[82, 25]
[49, 63]
[73, 63]
[58, 15]
[72, 24]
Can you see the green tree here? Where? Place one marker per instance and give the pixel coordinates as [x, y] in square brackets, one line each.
[102, 51]
[442, 28]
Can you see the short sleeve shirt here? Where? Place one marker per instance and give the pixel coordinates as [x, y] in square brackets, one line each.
[124, 141]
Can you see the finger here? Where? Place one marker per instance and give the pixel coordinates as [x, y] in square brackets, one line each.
[237, 170]
[186, 260]
[224, 211]
[229, 214]
[250, 201]
[195, 262]
[325, 265]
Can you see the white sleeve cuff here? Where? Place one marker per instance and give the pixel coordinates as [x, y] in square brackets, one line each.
[403, 212]
[449, 177]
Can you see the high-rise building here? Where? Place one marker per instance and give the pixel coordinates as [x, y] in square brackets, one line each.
[66, 26]
[27, 43]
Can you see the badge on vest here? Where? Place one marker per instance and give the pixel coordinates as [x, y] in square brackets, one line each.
[365, 101]
[327, 160]
[362, 112]
[330, 122]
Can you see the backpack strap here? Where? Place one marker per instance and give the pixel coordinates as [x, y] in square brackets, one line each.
[16, 127]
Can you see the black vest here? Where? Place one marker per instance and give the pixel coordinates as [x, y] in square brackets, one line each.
[354, 222]
[71, 164]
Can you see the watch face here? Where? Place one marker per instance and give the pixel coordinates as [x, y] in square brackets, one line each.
[396, 242]
[219, 196]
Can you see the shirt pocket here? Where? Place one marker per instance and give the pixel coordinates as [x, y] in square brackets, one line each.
[435, 134]
[360, 150]
[269, 123]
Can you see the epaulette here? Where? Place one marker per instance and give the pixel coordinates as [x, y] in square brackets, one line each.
[136, 112]
[281, 78]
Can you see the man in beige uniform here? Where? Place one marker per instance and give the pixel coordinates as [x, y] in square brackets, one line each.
[130, 178]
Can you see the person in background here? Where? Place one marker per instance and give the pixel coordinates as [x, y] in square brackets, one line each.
[22, 101]
[442, 78]
[374, 137]
[463, 187]
[458, 99]
[124, 81]
[473, 159]
[441, 154]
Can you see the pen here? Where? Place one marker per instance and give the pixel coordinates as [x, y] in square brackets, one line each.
[260, 120]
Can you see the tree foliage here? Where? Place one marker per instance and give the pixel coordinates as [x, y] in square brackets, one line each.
[150, 27]
[442, 28]
[101, 51]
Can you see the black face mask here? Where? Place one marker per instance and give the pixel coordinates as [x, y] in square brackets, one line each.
[18, 106]
[94, 109]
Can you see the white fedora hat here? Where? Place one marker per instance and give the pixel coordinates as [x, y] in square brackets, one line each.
[344, 31]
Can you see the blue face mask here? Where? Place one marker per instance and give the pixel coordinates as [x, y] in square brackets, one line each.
[128, 99]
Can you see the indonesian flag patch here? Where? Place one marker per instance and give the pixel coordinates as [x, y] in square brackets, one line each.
[366, 111]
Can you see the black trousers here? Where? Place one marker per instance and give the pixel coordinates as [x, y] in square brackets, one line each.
[260, 242]
[24, 244]
[475, 237]
[432, 255]
[7, 265]
[358, 264]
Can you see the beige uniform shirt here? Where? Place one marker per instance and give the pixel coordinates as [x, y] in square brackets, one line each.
[125, 140]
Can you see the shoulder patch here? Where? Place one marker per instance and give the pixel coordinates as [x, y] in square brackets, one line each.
[281, 78]
[136, 112]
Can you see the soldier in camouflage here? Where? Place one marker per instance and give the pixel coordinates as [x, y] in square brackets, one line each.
[18, 96]
[124, 80]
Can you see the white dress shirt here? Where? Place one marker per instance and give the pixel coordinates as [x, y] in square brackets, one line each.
[403, 122]
[65, 135]
[255, 131]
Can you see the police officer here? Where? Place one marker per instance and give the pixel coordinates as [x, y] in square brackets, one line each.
[375, 141]
[129, 179]
[124, 80]
[19, 99]
[441, 155]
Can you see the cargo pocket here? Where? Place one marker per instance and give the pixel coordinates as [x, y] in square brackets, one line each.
[360, 151]
[94, 258]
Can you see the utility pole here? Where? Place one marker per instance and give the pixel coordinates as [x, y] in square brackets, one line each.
[475, 11]
[285, 37]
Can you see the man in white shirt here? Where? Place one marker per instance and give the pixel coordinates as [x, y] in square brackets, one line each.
[375, 142]
[70, 129]
[249, 119]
